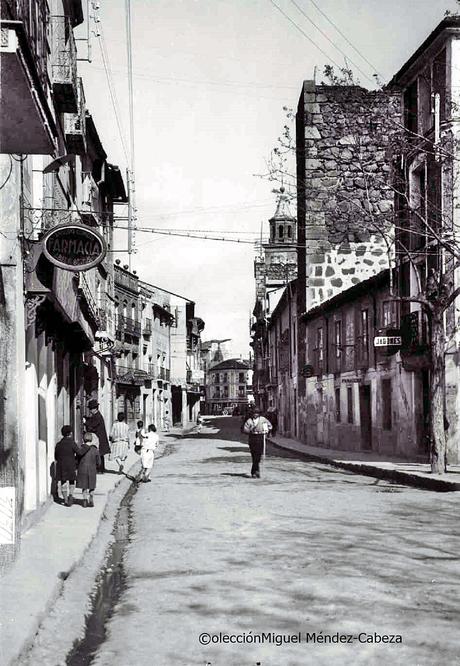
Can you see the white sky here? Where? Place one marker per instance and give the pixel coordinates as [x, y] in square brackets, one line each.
[211, 80]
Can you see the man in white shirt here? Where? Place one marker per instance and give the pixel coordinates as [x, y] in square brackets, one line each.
[257, 427]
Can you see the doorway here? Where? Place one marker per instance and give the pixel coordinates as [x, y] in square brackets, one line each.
[365, 415]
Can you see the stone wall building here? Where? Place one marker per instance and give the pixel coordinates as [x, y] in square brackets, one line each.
[344, 198]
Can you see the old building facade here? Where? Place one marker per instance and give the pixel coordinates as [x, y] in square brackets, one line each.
[228, 387]
[57, 324]
[358, 395]
[74, 326]
[428, 209]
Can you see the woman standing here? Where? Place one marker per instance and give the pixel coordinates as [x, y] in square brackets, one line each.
[149, 444]
[119, 438]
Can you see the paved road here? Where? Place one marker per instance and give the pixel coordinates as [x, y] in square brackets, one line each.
[305, 549]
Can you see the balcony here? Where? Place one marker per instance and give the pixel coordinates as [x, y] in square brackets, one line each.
[131, 376]
[415, 341]
[86, 296]
[126, 280]
[64, 65]
[75, 124]
[27, 123]
[147, 327]
[129, 325]
[164, 373]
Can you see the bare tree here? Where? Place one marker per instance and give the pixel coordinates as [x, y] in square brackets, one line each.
[418, 230]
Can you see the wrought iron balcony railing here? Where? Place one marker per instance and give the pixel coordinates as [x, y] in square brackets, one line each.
[129, 325]
[64, 65]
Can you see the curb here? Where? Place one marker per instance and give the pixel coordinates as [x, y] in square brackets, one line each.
[62, 589]
[405, 478]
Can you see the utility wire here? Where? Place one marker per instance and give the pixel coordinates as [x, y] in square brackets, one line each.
[330, 41]
[112, 91]
[191, 235]
[9, 174]
[345, 37]
[305, 34]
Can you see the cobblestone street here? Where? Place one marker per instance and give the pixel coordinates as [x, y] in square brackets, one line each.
[305, 549]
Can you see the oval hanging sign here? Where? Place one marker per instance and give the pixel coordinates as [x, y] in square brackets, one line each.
[74, 247]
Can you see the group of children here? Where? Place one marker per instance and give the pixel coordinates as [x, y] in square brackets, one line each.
[77, 465]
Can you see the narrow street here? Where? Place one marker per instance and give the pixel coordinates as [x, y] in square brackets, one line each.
[305, 549]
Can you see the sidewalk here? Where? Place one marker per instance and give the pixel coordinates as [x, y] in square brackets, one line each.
[371, 464]
[49, 551]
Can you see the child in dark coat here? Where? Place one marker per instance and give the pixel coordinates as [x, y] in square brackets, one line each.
[65, 455]
[87, 470]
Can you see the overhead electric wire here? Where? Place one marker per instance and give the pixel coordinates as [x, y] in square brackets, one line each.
[191, 235]
[9, 174]
[305, 34]
[112, 90]
[344, 37]
[330, 40]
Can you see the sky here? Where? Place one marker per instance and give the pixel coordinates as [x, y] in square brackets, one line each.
[211, 78]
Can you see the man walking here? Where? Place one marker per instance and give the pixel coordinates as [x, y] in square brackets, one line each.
[256, 427]
[95, 424]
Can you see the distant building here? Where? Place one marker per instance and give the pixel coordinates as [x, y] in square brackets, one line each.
[228, 386]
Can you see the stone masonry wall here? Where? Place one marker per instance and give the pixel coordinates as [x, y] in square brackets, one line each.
[347, 133]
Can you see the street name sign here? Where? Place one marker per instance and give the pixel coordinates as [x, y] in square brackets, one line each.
[74, 247]
[387, 341]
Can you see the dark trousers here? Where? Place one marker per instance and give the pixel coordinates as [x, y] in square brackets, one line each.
[256, 445]
[101, 468]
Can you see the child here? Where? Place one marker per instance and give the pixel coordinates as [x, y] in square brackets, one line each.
[66, 463]
[87, 470]
[149, 444]
[141, 434]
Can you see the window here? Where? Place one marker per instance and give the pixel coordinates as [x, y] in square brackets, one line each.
[216, 378]
[225, 378]
[225, 391]
[280, 231]
[241, 391]
[364, 335]
[338, 340]
[241, 378]
[337, 406]
[386, 404]
[320, 345]
[289, 232]
[410, 107]
[387, 314]
[350, 404]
